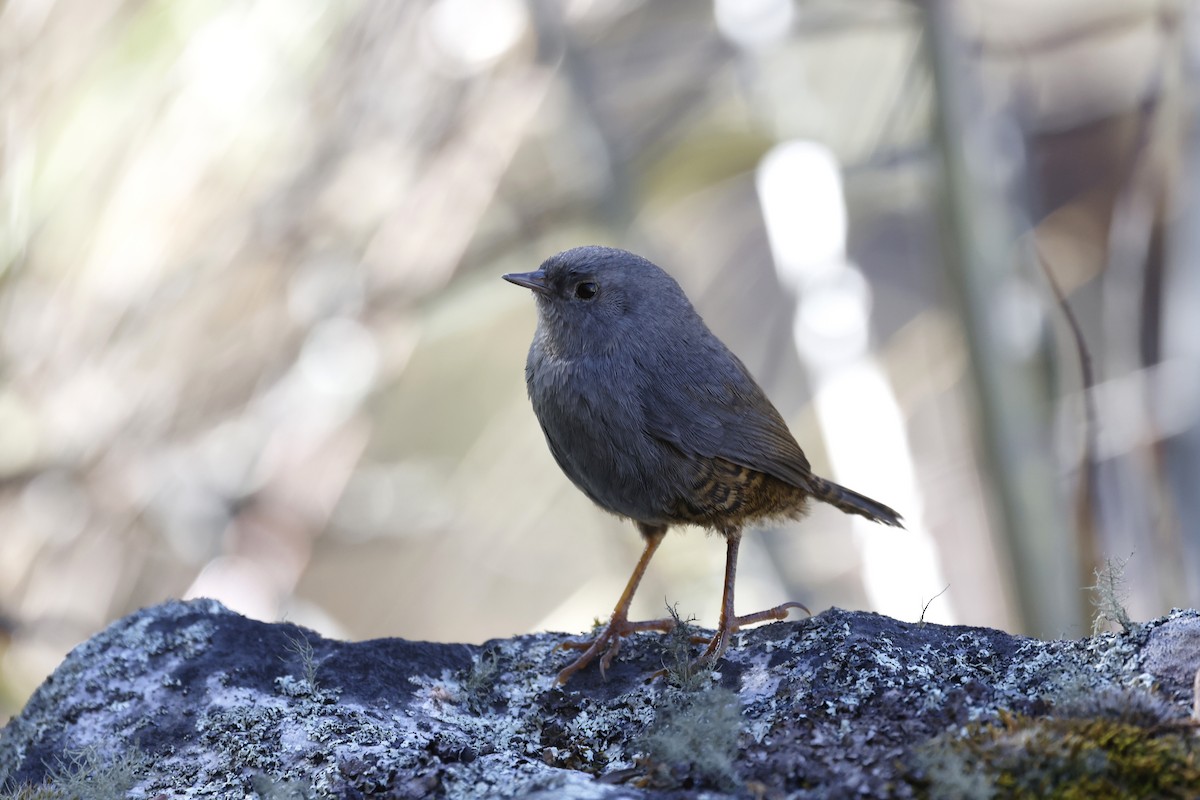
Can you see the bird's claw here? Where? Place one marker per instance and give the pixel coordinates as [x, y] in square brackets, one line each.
[608, 642]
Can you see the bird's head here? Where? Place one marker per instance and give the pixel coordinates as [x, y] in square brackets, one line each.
[591, 300]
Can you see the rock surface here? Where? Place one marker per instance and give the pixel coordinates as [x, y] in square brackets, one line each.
[192, 700]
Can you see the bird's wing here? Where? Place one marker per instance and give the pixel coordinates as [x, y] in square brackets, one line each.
[705, 403]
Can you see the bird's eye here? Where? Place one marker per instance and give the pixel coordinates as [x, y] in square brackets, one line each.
[586, 290]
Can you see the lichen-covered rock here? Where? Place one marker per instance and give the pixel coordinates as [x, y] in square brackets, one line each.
[192, 700]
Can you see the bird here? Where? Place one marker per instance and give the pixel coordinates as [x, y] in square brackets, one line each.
[652, 417]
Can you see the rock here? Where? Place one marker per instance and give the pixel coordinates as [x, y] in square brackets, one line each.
[188, 699]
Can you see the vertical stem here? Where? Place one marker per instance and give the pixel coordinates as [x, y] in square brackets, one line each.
[983, 263]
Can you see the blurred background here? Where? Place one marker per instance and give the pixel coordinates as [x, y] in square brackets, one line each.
[254, 344]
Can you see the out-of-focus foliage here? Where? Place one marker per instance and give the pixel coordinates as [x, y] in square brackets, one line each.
[254, 345]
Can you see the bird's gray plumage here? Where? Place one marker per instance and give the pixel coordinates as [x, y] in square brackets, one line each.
[635, 394]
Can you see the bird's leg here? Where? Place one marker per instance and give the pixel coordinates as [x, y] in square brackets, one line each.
[729, 623]
[608, 641]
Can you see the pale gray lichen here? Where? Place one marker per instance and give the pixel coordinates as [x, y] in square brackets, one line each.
[831, 704]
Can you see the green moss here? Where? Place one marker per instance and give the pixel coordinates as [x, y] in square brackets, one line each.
[479, 682]
[300, 651]
[679, 662]
[1066, 758]
[268, 788]
[86, 775]
[1109, 595]
[693, 741]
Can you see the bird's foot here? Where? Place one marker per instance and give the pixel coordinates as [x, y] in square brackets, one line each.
[719, 642]
[608, 643]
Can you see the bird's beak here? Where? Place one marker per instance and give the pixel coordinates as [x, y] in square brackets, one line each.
[530, 280]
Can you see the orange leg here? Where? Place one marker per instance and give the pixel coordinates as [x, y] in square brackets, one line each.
[608, 641]
[729, 623]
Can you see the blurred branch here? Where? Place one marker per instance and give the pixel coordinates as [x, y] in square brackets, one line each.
[1085, 519]
[979, 236]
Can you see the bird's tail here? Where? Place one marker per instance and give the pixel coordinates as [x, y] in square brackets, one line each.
[853, 503]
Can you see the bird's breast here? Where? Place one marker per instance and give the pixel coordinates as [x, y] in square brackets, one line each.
[592, 417]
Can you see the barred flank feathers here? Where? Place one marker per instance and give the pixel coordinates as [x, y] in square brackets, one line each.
[852, 502]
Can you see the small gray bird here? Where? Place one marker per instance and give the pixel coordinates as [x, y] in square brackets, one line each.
[654, 419]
